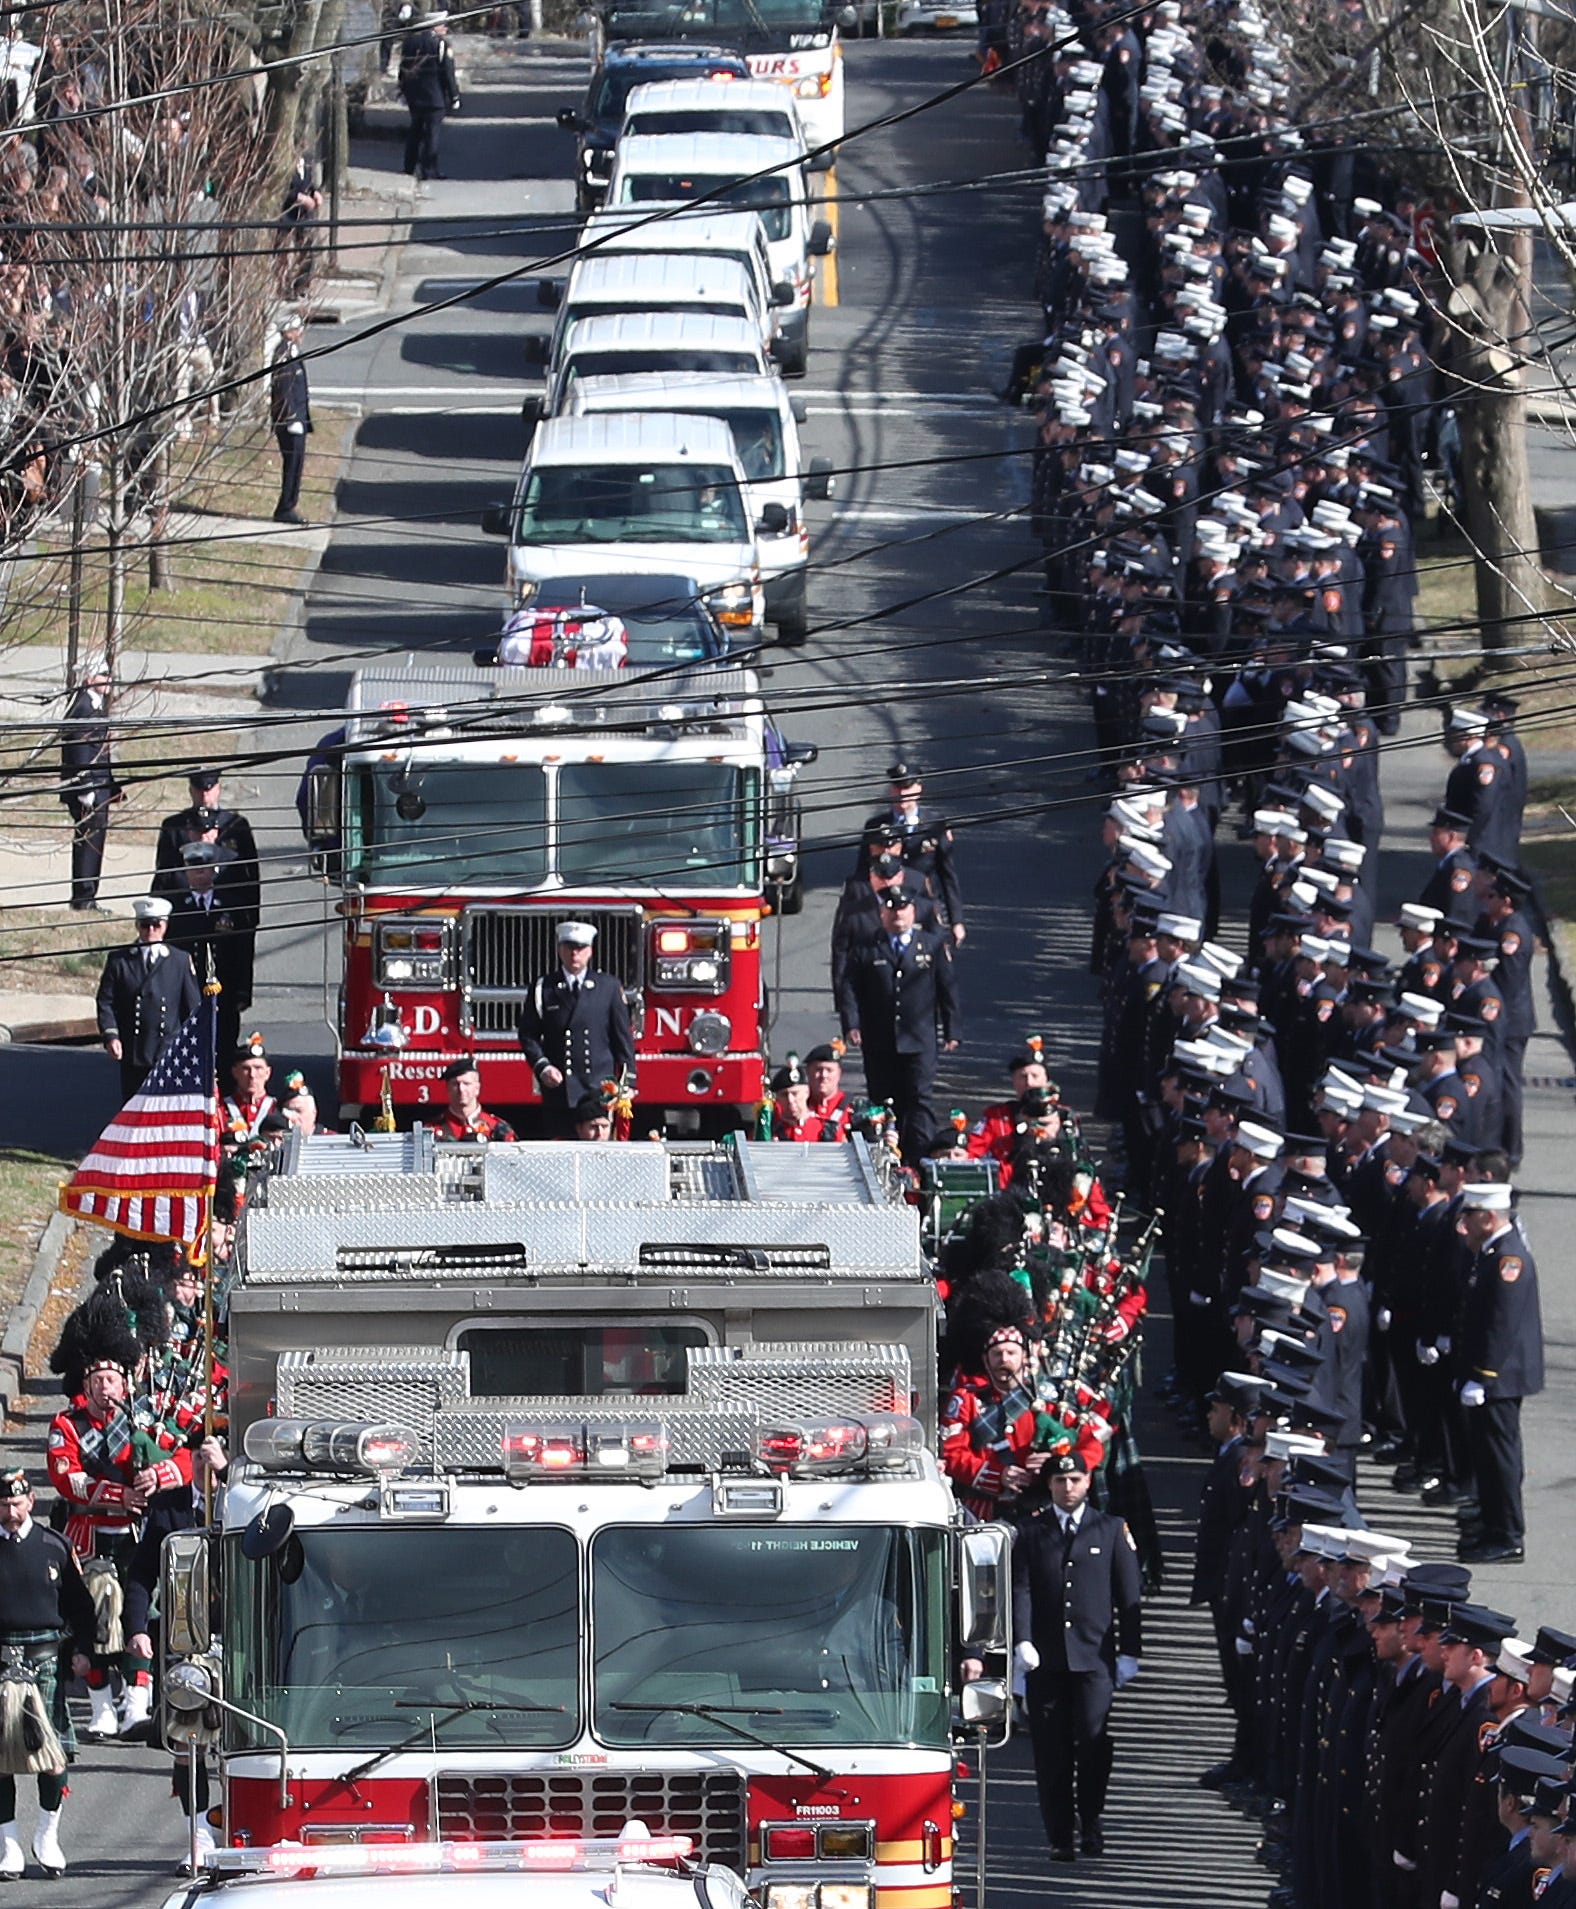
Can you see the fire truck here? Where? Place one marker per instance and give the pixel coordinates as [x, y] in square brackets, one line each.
[579, 1483]
[467, 810]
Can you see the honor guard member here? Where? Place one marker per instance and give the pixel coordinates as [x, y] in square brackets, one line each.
[922, 839]
[574, 1028]
[214, 913]
[1499, 1360]
[859, 907]
[1507, 1879]
[42, 1597]
[899, 1007]
[1455, 867]
[1478, 785]
[144, 994]
[249, 1102]
[206, 819]
[1505, 922]
[828, 1103]
[466, 1118]
[1077, 1612]
[1439, 1083]
[1423, 972]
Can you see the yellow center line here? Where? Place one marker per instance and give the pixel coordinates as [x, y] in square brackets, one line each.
[829, 287]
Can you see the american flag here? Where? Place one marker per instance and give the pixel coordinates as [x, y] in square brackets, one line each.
[151, 1173]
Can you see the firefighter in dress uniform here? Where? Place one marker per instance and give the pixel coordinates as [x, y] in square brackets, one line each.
[144, 994]
[574, 1028]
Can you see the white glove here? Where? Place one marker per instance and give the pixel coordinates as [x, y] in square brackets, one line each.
[1403, 1862]
[1427, 1355]
[296, 430]
[1244, 1646]
[1197, 1299]
[1126, 1671]
[1028, 1657]
[1448, 1901]
[1443, 1345]
[1473, 1394]
[1382, 1320]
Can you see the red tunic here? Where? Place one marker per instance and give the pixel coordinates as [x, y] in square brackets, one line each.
[93, 1480]
[449, 1126]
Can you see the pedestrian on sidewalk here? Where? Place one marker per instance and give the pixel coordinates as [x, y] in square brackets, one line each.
[298, 228]
[42, 1594]
[291, 409]
[88, 786]
[429, 89]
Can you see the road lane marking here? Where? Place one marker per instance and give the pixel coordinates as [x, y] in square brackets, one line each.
[829, 280]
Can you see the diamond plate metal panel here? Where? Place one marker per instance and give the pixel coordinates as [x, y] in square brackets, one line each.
[406, 1385]
[809, 1173]
[697, 1175]
[588, 1173]
[791, 1381]
[707, 1805]
[325, 1155]
[340, 1191]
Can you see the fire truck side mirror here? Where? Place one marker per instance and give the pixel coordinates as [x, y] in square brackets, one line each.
[984, 1587]
[183, 1593]
[322, 805]
[984, 1703]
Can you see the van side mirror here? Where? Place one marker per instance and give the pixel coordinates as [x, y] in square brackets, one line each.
[535, 345]
[823, 161]
[800, 410]
[984, 1587]
[322, 817]
[821, 240]
[800, 753]
[773, 519]
[819, 482]
[495, 520]
[571, 121]
[782, 294]
[531, 410]
[847, 19]
[549, 293]
[184, 1593]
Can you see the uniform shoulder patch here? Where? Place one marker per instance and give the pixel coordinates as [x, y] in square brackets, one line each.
[1263, 1206]
[1510, 1269]
[1471, 1083]
[1489, 1007]
[1324, 1010]
[1445, 1107]
[1337, 1318]
[1510, 944]
[1486, 773]
[1460, 880]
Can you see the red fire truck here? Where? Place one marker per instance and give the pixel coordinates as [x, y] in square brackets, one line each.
[467, 810]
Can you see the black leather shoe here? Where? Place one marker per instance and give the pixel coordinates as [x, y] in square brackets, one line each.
[1063, 1853]
[1092, 1843]
[1220, 1775]
[1388, 1451]
[1492, 1551]
[1444, 1493]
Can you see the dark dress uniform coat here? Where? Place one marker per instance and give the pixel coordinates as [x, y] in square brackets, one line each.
[142, 1002]
[583, 1031]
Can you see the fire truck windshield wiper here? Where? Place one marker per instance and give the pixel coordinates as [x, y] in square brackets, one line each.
[438, 1716]
[721, 1715]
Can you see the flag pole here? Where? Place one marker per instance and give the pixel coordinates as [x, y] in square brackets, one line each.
[212, 989]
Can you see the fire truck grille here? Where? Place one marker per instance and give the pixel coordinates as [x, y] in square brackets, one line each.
[706, 1805]
[504, 950]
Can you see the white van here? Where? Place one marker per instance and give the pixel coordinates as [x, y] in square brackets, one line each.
[762, 417]
[764, 175]
[760, 108]
[648, 494]
[625, 342]
[665, 282]
[634, 233]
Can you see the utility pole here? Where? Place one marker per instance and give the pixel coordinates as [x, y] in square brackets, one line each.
[116, 382]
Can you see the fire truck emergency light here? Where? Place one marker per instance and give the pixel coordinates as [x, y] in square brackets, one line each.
[881, 1442]
[401, 1859]
[633, 1448]
[324, 1445]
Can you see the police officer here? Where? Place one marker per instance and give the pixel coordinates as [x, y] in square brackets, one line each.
[144, 994]
[899, 1006]
[214, 913]
[41, 1595]
[465, 1117]
[1077, 1612]
[206, 819]
[1499, 1362]
[574, 1027]
[921, 839]
[859, 906]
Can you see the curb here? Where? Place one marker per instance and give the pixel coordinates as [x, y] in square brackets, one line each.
[24, 1314]
[29, 1033]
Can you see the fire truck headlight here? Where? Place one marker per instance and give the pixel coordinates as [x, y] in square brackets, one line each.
[413, 953]
[710, 1032]
[790, 1895]
[845, 1895]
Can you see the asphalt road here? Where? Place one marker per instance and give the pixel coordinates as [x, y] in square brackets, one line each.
[930, 281]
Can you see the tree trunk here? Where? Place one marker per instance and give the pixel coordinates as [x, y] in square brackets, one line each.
[1487, 308]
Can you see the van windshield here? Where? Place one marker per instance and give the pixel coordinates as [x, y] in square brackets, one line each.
[758, 439]
[619, 302]
[634, 359]
[760, 120]
[632, 503]
[772, 197]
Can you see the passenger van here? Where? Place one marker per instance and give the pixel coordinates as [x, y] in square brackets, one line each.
[763, 175]
[651, 494]
[761, 417]
[664, 282]
[759, 108]
[626, 342]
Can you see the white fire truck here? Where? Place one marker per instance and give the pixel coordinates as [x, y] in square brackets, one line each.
[576, 1484]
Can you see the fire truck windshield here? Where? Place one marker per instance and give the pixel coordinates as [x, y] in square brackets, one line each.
[825, 1634]
[345, 1636]
[680, 823]
[632, 503]
[447, 824]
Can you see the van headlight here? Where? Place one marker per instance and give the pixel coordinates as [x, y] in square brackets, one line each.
[734, 605]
